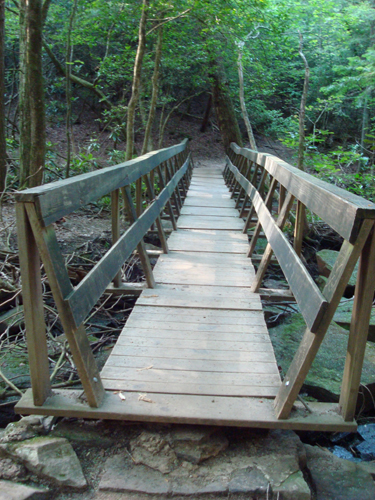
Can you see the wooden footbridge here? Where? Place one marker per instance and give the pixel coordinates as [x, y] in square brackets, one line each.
[196, 348]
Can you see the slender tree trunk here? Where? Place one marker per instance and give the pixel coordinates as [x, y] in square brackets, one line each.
[68, 87]
[32, 112]
[245, 115]
[225, 115]
[365, 116]
[136, 82]
[207, 113]
[3, 152]
[147, 142]
[301, 146]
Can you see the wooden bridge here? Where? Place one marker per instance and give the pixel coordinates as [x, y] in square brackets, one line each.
[196, 348]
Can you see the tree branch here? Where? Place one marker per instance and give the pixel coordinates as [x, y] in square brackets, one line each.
[168, 20]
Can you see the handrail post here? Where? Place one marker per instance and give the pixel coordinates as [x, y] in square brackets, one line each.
[363, 299]
[115, 213]
[33, 308]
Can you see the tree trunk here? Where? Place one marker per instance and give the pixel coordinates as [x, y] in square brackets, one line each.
[3, 153]
[136, 82]
[206, 114]
[245, 115]
[32, 112]
[68, 87]
[225, 115]
[301, 145]
[147, 141]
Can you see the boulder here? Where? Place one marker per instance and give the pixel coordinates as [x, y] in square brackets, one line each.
[326, 260]
[343, 316]
[49, 458]
[324, 378]
[11, 470]
[16, 491]
[336, 478]
[151, 448]
[26, 428]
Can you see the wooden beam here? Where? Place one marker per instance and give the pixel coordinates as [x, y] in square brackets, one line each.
[32, 296]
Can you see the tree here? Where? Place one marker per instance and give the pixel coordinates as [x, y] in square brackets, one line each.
[31, 100]
[3, 154]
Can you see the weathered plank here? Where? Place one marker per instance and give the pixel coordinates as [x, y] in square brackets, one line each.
[210, 222]
[211, 211]
[205, 410]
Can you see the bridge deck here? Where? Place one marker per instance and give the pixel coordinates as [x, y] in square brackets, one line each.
[201, 331]
[196, 348]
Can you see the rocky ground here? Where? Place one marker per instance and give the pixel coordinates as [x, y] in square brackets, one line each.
[106, 460]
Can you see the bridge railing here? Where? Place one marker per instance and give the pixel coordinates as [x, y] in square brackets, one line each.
[169, 170]
[260, 180]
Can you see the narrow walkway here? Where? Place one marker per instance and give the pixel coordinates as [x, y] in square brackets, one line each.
[201, 331]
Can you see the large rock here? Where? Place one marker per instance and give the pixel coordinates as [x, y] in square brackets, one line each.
[150, 448]
[324, 378]
[49, 458]
[338, 479]
[16, 491]
[343, 316]
[256, 463]
[195, 444]
[26, 428]
[11, 470]
[326, 260]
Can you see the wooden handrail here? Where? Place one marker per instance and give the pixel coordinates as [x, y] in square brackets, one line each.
[57, 199]
[351, 216]
[39, 207]
[342, 210]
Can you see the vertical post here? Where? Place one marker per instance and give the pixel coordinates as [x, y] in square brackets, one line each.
[115, 212]
[282, 193]
[363, 298]
[299, 227]
[33, 307]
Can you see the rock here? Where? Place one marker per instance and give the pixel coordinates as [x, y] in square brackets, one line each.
[15, 491]
[335, 478]
[324, 378]
[11, 470]
[343, 316]
[26, 428]
[118, 476]
[368, 467]
[49, 458]
[250, 481]
[293, 488]
[326, 259]
[196, 444]
[151, 449]
[87, 433]
[367, 447]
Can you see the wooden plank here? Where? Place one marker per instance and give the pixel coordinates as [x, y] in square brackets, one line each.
[210, 222]
[183, 299]
[224, 333]
[177, 377]
[178, 409]
[200, 201]
[210, 211]
[210, 235]
[198, 326]
[32, 297]
[342, 210]
[144, 363]
[187, 343]
[177, 260]
[60, 285]
[260, 350]
[195, 389]
[56, 199]
[209, 278]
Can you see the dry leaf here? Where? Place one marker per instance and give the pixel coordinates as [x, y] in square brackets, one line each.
[149, 296]
[121, 396]
[143, 397]
[146, 368]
